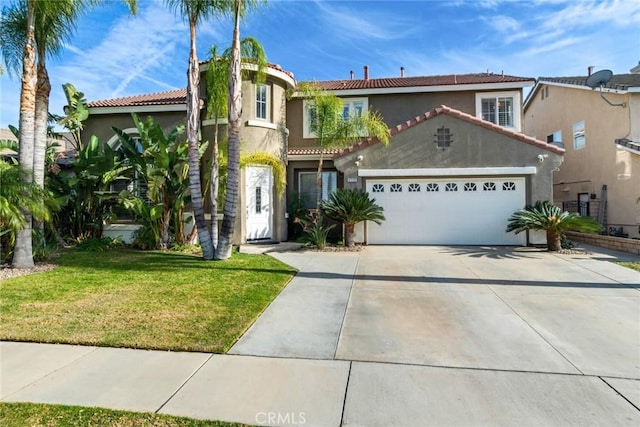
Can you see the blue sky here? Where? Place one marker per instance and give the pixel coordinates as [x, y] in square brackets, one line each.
[113, 54]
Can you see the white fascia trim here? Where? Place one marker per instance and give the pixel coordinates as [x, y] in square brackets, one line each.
[525, 170]
[139, 109]
[261, 124]
[424, 89]
[269, 71]
[212, 122]
[604, 89]
[303, 157]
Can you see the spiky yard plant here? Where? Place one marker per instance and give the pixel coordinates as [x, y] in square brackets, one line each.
[544, 215]
[351, 207]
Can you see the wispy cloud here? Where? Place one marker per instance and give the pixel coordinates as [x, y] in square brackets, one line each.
[357, 22]
[135, 48]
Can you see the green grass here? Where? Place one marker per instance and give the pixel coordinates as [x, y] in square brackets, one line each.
[634, 265]
[136, 299]
[33, 414]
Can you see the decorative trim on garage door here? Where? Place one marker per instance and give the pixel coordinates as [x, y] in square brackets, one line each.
[526, 170]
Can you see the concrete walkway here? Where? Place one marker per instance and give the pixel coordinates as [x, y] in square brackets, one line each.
[390, 336]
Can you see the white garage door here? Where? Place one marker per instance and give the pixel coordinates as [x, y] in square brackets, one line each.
[453, 211]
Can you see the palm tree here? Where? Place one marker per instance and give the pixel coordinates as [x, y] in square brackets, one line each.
[332, 130]
[195, 11]
[16, 193]
[217, 106]
[235, 118]
[30, 27]
[351, 207]
[548, 217]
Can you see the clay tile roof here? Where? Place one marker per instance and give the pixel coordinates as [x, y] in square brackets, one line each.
[310, 151]
[443, 109]
[172, 97]
[441, 80]
[617, 82]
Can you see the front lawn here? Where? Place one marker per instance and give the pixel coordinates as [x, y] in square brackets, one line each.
[32, 414]
[152, 300]
[634, 265]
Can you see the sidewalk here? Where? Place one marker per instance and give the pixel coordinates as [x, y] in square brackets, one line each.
[298, 381]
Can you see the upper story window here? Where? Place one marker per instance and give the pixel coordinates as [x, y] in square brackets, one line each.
[500, 108]
[261, 102]
[351, 107]
[578, 135]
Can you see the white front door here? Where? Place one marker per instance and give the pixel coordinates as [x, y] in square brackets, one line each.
[259, 186]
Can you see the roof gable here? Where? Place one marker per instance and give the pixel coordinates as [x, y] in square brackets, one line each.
[443, 109]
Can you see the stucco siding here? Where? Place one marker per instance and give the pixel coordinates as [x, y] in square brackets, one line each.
[600, 162]
[471, 147]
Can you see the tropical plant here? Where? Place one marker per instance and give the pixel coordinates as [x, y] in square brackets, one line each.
[333, 130]
[315, 232]
[544, 215]
[76, 112]
[162, 163]
[17, 196]
[217, 106]
[225, 247]
[86, 192]
[351, 207]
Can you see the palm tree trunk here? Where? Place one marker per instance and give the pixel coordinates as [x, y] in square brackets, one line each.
[43, 90]
[23, 252]
[319, 183]
[42, 115]
[553, 240]
[235, 117]
[214, 188]
[193, 125]
[349, 231]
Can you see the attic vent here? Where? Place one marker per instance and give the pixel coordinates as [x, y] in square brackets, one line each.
[443, 138]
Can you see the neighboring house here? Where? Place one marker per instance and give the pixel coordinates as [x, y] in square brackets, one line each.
[456, 168]
[600, 175]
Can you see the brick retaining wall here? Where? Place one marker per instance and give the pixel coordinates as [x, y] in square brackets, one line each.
[616, 243]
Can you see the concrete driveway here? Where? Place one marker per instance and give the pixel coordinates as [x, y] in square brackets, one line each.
[391, 336]
[464, 335]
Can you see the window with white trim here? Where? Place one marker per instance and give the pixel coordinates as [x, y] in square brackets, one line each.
[352, 107]
[261, 102]
[555, 138]
[308, 189]
[500, 108]
[578, 135]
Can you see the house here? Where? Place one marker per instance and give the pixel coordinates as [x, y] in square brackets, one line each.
[456, 167]
[600, 131]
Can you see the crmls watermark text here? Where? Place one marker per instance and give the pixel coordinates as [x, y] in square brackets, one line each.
[279, 418]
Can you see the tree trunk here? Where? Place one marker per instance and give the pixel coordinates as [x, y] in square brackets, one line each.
[349, 231]
[193, 126]
[214, 188]
[235, 117]
[42, 115]
[319, 183]
[553, 240]
[23, 252]
[43, 90]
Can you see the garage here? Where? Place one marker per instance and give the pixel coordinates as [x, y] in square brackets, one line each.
[446, 210]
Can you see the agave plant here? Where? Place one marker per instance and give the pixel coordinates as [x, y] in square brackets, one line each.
[351, 207]
[546, 216]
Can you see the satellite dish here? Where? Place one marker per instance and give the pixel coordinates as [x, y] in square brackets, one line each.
[599, 79]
